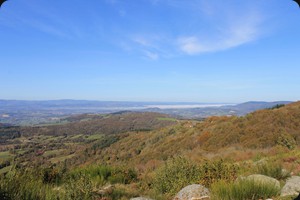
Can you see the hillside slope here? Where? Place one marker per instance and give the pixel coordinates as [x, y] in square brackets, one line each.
[259, 130]
[41, 143]
[102, 124]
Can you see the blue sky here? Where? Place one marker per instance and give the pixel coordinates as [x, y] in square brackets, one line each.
[150, 50]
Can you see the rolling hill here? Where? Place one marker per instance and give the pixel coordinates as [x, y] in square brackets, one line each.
[262, 129]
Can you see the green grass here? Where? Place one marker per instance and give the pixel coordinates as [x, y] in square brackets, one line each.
[25, 186]
[5, 155]
[95, 137]
[5, 169]
[272, 169]
[55, 123]
[71, 143]
[61, 158]
[53, 138]
[167, 119]
[102, 174]
[21, 151]
[174, 175]
[52, 152]
[76, 136]
[243, 190]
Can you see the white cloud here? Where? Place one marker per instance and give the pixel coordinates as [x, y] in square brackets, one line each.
[151, 55]
[152, 47]
[191, 45]
[142, 41]
[232, 33]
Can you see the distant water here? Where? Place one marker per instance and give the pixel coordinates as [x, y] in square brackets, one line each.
[185, 106]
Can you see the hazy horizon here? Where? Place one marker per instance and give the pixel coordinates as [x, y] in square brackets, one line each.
[149, 102]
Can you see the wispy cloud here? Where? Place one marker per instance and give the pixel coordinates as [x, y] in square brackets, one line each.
[46, 28]
[150, 46]
[230, 36]
[203, 26]
[227, 25]
[151, 55]
[233, 29]
[43, 17]
[143, 41]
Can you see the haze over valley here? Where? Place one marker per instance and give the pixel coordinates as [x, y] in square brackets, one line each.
[15, 112]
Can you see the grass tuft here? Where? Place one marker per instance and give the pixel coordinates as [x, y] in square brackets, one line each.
[243, 190]
[272, 169]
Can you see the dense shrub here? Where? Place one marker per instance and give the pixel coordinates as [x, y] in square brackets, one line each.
[80, 184]
[94, 171]
[174, 175]
[79, 187]
[179, 172]
[102, 174]
[123, 175]
[25, 185]
[51, 175]
[106, 142]
[214, 171]
[287, 141]
[277, 106]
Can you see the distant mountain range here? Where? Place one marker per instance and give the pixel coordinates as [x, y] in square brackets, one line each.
[19, 112]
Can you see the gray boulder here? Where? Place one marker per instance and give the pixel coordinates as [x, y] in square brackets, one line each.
[264, 180]
[141, 198]
[291, 187]
[193, 192]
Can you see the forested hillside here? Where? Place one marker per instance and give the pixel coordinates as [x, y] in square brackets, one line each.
[54, 143]
[259, 130]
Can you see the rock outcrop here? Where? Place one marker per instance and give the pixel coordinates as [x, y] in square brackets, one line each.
[291, 187]
[193, 192]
